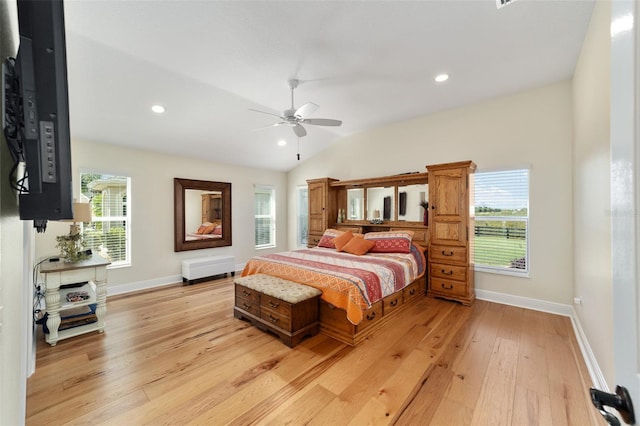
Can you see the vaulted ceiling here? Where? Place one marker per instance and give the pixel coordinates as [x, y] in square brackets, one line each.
[367, 63]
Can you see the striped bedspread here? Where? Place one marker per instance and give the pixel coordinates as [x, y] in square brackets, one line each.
[350, 282]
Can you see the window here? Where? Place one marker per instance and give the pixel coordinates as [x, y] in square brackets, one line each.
[109, 233]
[265, 216]
[501, 241]
[302, 231]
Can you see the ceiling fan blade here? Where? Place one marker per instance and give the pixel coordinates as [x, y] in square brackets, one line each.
[268, 113]
[299, 130]
[306, 110]
[322, 121]
[270, 125]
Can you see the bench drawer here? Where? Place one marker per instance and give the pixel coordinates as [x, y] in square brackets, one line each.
[247, 293]
[248, 305]
[276, 305]
[276, 318]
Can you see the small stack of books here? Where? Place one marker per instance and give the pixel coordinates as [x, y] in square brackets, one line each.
[74, 317]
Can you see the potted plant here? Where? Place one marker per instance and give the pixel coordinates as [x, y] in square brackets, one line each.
[425, 216]
[71, 247]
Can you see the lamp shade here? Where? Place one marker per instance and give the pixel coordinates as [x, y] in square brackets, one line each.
[81, 213]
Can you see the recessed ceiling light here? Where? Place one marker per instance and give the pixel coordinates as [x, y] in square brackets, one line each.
[158, 109]
[441, 77]
[282, 142]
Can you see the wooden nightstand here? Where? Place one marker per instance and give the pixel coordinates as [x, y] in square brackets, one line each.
[93, 271]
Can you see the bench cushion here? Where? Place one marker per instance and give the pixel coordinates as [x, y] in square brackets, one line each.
[277, 287]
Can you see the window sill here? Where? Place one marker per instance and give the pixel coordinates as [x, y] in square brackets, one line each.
[503, 271]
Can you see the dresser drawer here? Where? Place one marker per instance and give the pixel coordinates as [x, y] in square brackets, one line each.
[450, 272]
[411, 291]
[354, 229]
[392, 302]
[371, 316]
[446, 254]
[313, 239]
[248, 294]
[448, 287]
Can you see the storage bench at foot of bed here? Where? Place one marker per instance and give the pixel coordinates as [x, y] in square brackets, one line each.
[285, 308]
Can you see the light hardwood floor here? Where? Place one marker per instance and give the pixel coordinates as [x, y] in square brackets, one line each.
[176, 355]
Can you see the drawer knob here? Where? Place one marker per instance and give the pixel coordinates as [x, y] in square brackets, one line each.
[273, 319]
[449, 287]
[394, 302]
[412, 291]
[273, 305]
[246, 293]
[447, 253]
[244, 305]
[446, 272]
[372, 316]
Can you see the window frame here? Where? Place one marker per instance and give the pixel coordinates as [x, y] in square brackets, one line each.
[271, 215]
[501, 270]
[302, 217]
[126, 218]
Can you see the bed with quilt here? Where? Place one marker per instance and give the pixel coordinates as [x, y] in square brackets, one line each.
[364, 279]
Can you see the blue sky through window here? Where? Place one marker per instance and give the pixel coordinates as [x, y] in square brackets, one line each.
[507, 189]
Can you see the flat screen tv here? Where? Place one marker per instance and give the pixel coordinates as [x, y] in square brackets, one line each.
[36, 114]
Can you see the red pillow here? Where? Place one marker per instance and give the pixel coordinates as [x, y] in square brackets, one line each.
[327, 238]
[390, 242]
[217, 230]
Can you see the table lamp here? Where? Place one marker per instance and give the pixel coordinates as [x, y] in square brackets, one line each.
[71, 245]
[82, 214]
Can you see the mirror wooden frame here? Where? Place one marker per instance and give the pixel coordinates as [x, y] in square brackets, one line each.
[179, 187]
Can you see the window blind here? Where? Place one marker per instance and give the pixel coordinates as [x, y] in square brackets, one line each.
[108, 234]
[501, 231]
[264, 217]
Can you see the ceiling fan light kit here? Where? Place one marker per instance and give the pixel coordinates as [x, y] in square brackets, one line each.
[296, 117]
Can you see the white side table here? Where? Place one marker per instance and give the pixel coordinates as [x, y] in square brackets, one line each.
[94, 272]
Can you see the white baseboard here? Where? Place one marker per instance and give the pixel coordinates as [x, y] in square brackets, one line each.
[554, 308]
[146, 285]
[525, 302]
[589, 358]
[142, 285]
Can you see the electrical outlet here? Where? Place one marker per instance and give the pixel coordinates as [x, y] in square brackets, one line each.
[577, 300]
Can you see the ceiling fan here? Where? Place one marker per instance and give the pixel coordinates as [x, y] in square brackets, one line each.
[297, 117]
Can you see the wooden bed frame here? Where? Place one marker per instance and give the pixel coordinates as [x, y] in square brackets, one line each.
[334, 322]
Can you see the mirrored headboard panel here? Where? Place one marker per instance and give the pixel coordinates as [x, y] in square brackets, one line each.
[202, 214]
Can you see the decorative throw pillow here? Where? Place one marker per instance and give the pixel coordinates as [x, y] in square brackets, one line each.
[209, 229]
[327, 238]
[358, 246]
[202, 228]
[217, 230]
[342, 240]
[391, 241]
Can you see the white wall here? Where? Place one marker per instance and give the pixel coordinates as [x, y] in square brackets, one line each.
[14, 286]
[592, 214]
[528, 128]
[153, 259]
